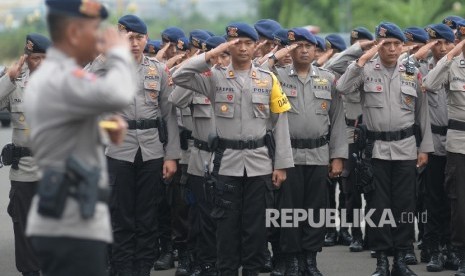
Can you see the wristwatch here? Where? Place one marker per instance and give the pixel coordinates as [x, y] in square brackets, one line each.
[273, 57]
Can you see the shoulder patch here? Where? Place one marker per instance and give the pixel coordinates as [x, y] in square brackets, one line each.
[83, 74]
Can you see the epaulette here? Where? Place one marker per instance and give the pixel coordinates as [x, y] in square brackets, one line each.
[263, 70]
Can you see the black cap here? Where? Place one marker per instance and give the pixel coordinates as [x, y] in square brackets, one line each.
[36, 43]
[77, 8]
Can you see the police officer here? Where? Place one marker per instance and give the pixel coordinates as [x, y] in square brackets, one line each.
[169, 38]
[265, 29]
[152, 47]
[317, 129]
[69, 222]
[452, 21]
[362, 40]
[436, 202]
[392, 102]
[145, 159]
[202, 227]
[24, 173]
[180, 207]
[320, 49]
[448, 73]
[242, 98]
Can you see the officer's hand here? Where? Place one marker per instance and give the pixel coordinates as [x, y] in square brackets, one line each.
[406, 48]
[422, 53]
[368, 55]
[264, 58]
[161, 53]
[422, 159]
[223, 47]
[335, 169]
[258, 48]
[366, 45]
[456, 50]
[169, 169]
[325, 57]
[278, 177]
[175, 60]
[15, 70]
[111, 38]
[118, 133]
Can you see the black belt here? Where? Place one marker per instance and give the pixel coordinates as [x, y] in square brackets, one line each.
[309, 143]
[201, 145]
[456, 125]
[21, 152]
[350, 122]
[240, 144]
[142, 124]
[440, 130]
[389, 136]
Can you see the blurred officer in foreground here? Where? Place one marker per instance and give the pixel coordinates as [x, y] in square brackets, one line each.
[245, 110]
[449, 73]
[392, 101]
[24, 171]
[69, 221]
[146, 158]
[437, 205]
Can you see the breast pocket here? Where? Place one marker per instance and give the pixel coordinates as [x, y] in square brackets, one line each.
[457, 94]
[18, 119]
[323, 101]
[224, 105]
[433, 98]
[408, 98]
[353, 97]
[201, 107]
[261, 105]
[293, 99]
[374, 94]
[151, 90]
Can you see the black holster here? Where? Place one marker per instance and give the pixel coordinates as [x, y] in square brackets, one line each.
[184, 136]
[364, 166]
[11, 155]
[76, 180]
[270, 144]
[162, 130]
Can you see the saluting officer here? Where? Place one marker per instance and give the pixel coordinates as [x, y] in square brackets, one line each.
[69, 222]
[392, 101]
[146, 158]
[318, 138]
[24, 171]
[450, 74]
[241, 95]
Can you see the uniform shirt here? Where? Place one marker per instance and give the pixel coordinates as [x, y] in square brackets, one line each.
[450, 76]
[390, 103]
[352, 101]
[242, 112]
[315, 107]
[203, 125]
[153, 89]
[12, 97]
[62, 108]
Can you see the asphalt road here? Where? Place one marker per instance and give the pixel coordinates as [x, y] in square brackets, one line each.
[333, 261]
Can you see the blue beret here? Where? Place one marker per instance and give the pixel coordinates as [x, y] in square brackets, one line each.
[335, 41]
[197, 37]
[153, 46]
[460, 29]
[361, 33]
[213, 42]
[416, 34]
[210, 33]
[172, 34]
[452, 21]
[388, 29]
[37, 43]
[298, 34]
[132, 23]
[438, 31]
[77, 8]
[320, 43]
[239, 29]
[266, 28]
[183, 44]
[280, 37]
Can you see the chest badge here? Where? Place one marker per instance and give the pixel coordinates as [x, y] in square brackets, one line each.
[324, 105]
[152, 71]
[224, 108]
[153, 95]
[21, 118]
[230, 97]
[379, 88]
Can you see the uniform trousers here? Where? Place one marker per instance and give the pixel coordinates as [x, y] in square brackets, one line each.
[202, 230]
[394, 193]
[437, 227]
[135, 188]
[240, 216]
[21, 194]
[60, 256]
[455, 188]
[305, 188]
